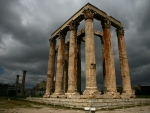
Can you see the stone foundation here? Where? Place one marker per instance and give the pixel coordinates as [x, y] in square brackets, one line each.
[96, 103]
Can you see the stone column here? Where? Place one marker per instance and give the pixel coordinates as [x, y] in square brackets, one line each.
[66, 67]
[90, 60]
[17, 81]
[103, 63]
[79, 65]
[50, 70]
[60, 66]
[53, 86]
[72, 69]
[110, 76]
[126, 82]
[23, 82]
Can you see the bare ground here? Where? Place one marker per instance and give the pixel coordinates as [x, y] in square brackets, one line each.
[20, 106]
[43, 109]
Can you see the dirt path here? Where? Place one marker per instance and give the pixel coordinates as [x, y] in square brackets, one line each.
[144, 109]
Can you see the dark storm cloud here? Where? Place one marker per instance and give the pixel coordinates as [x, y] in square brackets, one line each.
[26, 26]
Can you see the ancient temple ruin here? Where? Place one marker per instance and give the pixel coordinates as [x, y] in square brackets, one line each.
[68, 67]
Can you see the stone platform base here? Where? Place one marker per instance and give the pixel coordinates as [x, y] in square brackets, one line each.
[96, 103]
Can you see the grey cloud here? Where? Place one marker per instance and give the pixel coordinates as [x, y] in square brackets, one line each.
[26, 27]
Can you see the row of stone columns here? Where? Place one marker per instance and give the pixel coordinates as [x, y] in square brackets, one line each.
[69, 62]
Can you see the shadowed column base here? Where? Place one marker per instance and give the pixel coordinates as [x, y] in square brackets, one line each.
[46, 95]
[57, 94]
[111, 95]
[72, 94]
[91, 91]
[128, 94]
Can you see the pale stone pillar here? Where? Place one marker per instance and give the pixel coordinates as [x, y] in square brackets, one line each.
[90, 60]
[79, 65]
[50, 70]
[17, 81]
[126, 82]
[110, 76]
[72, 67]
[60, 65]
[23, 82]
[66, 67]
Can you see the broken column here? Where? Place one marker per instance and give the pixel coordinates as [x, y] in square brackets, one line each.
[23, 82]
[50, 70]
[125, 73]
[17, 82]
[90, 60]
[60, 66]
[110, 76]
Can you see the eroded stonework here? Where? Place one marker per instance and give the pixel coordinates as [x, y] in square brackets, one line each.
[68, 66]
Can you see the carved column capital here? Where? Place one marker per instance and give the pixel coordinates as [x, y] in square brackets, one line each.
[62, 35]
[52, 42]
[88, 14]
[106, 23]
[73, 25]
[120, 31]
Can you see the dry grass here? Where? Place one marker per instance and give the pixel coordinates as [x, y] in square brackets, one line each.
[14, 103]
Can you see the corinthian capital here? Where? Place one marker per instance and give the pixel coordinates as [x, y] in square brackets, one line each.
[120, 31]
[73, 25]
[88, 14]
[106, 23]
[62, 34]
[52, 42]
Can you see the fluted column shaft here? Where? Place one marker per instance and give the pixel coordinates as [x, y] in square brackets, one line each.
[110, 76]
[60, 65]
[17, 81]
[23, 82]
[50, 70]
[72, 69]
[66, 67]
[90, 60]
[126, 82]
[79, 65]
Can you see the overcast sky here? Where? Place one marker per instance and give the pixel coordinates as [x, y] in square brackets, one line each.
[26, 26]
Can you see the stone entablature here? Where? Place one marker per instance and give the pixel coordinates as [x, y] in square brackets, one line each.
[81, 35]
[79, 16]
[68, 65]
